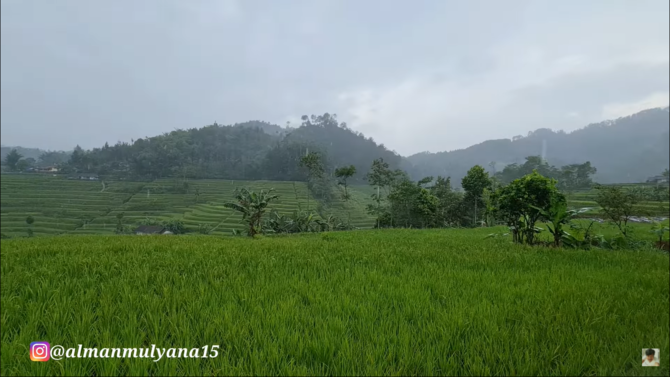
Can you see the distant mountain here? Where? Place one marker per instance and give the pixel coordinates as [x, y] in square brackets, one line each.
[628, 149]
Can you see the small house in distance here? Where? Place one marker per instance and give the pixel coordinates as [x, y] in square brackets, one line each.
[47, 169]
[151, 229]
[657, 179]
[86, 177]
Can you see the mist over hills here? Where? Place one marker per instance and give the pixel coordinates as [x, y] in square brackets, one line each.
[628, 149]
[25, 152]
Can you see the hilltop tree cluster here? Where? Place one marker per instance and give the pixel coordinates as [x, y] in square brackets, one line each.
[248, 151]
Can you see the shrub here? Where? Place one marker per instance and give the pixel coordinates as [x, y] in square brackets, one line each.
[618, 204]
[521, 204]
[204, 228]
[175, 226]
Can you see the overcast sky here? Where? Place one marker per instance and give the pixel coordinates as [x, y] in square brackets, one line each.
[415, 75]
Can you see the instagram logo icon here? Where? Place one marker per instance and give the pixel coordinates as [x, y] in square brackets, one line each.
[40, 351]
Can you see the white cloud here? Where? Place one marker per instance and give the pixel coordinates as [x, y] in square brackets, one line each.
[558, 75]
[617, 110]
[433, 75]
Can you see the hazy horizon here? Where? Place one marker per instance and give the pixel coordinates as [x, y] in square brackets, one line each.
[283, 126]
[425, 76]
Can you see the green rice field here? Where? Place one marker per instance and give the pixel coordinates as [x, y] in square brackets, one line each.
[371, 302]
[61, 206]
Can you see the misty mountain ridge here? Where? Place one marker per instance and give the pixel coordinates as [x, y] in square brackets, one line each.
[628, 149]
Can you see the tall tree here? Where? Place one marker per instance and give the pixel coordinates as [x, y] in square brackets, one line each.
[382, 177]
[312, 162]
[475, 181]
[449, 211]
[343, 174]
[617, 203]
[12, 159]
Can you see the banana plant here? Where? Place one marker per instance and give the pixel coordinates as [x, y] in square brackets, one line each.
[558, 215]
[659, 229]
[252, 205]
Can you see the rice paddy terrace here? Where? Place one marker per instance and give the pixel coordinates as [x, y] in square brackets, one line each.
[586, 198]
[62, 206]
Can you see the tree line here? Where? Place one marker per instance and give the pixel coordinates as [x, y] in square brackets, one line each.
[247, 151]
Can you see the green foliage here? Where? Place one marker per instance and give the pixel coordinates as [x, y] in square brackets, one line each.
[205, 228]
[196, 193]
[175, 226]
[299, 222]
[120, 229]
[523, 202]
[617, 204]
[252, 206]
[660, 229]
[343, 174]
[575, 176]
[383, 179]
[474, 183]
[381, 175]
[570, 177]
[53, 158]
[658, 193]
[317, 183]
[557, 216]
[411, 205]
[124, 229]
[12, 159]
[407, 300]
[450, 206]
[24, 164]
[248, 151]
[30, 220]
[312, 162]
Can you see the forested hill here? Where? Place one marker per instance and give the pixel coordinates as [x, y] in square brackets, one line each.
[253, 151]
[628, 149]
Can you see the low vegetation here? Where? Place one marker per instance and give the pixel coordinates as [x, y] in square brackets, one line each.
[388, 302]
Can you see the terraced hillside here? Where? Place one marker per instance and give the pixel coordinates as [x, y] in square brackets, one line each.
[57, 205]
[354, 209]
[586, 198]
[63, 206]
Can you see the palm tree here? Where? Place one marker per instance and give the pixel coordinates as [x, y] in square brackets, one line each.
[252, 205]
